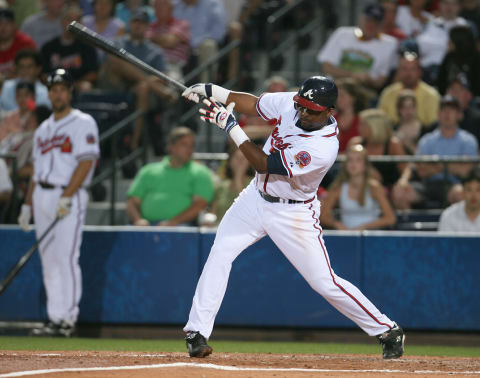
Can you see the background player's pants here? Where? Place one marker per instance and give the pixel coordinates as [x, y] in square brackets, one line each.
[296, 231]
[60, 251]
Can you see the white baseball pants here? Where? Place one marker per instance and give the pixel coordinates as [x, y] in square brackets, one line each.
[60, 251]
[295, 229]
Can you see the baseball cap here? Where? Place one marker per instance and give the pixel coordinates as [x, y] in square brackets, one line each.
[7, 14]
[140, 14]
[374, 11]
[462, 79]
[449, 100]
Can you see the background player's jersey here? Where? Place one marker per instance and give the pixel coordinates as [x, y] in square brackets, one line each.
[60, 145]
[306, 155]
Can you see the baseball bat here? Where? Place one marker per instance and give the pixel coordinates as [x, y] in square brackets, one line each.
[23, 260]
[92, 38]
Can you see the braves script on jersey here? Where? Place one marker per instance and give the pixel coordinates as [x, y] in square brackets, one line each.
[58, 148]
[307, 156]
[293, 227]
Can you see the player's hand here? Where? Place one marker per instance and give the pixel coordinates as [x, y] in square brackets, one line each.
[216, 113]
[64, 207]
[197, 91]
[25, 216]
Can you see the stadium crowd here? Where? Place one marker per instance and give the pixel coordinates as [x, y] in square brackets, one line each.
[407, 75]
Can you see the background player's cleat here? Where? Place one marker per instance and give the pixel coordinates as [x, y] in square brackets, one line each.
[62, 329]
[197, 345]
[392, 342]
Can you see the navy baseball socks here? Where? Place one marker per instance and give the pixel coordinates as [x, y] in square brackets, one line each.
[392, 342]
[197, 345]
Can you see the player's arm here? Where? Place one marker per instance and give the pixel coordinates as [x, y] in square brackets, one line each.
[245, 103]
[78, 177]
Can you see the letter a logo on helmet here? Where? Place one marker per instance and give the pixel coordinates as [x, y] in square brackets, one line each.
[317, 93]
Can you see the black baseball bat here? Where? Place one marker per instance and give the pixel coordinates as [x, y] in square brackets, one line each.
[92, 38]
[23, 260]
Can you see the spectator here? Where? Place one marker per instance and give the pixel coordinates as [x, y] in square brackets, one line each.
[464, 216]
[470, 10]
[11, 42]
[103, 22]
[361, 52]
[15, 121]
[389, 25]
[125, 9]
[459, 88]
[172, 35]
[71, 54]
[429, 187]
[174, 191]
[376, 135]
[413, 18]
[208, 27]
[120, 75]
[23, 9]
[409, 75]
[361, 199]
[237, 174]
[45, 25]
[463, 56]
[433, 40]
[409, 128]
[28, 66]
[351, 100]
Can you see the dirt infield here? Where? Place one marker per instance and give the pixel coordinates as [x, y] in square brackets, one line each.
[128, 364]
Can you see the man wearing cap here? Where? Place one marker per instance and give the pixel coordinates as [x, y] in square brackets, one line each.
[361, 52]
[120, 75]
[428, 187]
[11, 41]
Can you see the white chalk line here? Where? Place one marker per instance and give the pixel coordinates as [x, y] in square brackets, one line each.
[231, 368]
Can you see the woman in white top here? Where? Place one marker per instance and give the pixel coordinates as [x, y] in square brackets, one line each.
[361, 199]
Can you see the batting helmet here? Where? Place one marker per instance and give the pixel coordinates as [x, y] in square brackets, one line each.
[317, 93]
[59, 76]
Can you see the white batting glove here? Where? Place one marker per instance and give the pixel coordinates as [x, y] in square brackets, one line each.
[25, 216]
[64, 207]
[219, 115]
[196, 91]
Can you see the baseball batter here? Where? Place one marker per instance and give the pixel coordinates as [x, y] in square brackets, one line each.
[64, 152]
[281, 202]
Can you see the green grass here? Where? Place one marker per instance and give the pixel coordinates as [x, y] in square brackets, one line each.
[158, 346]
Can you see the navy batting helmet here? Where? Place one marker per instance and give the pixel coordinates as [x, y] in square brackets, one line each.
[317, 93]
[59, 76]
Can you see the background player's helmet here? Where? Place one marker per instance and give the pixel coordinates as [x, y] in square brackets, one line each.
[59, 76]
[317, 93]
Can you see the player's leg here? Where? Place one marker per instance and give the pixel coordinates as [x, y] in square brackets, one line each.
[298, 234]
[239, 228]
[66, 278]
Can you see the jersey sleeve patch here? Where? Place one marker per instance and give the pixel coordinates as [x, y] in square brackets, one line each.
[302, 159]
[91, 139]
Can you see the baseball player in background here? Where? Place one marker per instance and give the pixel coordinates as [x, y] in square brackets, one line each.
[64, 154]
[281, 201]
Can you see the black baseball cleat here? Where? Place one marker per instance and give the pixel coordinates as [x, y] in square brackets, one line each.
[62, 329]
[197, 345]
[392, 342]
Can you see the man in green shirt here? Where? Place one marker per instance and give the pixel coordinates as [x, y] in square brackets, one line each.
[174, 191]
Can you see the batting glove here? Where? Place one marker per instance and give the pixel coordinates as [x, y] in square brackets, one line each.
[216, 113]
[196, 91]
[25, 216]
[64, 207]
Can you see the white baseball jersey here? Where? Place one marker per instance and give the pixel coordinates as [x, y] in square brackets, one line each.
[306, 155]
[293, 227]
[60, 145]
